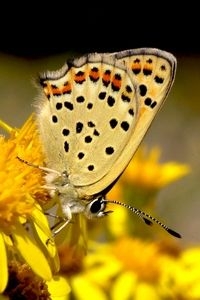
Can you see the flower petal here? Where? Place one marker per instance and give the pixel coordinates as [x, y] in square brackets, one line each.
[42, 228]
[146, 291]
[3, 264]
[58, 287]
[29, 250]
[84, 289]
[124, 286]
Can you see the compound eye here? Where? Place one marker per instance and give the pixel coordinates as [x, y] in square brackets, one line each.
[96, 208]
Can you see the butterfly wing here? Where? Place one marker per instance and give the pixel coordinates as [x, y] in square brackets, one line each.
[153, 71]
[95, 111]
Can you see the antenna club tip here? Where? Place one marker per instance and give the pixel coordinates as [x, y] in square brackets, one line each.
[174, 233]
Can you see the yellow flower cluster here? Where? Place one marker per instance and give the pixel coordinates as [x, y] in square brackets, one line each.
[24, 229]
[135, 269]
[118, 267]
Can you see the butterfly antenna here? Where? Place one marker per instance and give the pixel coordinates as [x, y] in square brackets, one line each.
[47, 170]
[148, 219]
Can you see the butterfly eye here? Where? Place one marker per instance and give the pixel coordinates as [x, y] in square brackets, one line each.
[96, 208]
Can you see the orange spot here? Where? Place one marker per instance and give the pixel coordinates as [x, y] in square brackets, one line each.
[66, 88]
[51, 90]
[117, 82]
[94, 74]
[106, 77]
[79, 78]
[148, 67]
[136, 67]
[56, 91]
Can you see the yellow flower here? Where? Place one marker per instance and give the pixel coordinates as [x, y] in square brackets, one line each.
[125, 269]
[146, 171]
[23, 281]
[180, 278]
[149, 260]
[90, 278]
[20, 204]
[107, 270]
[131, 268]
[138, 186]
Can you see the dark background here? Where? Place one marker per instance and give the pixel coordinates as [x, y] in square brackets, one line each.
[34, 30]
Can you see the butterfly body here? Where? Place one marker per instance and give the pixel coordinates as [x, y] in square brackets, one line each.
[92, 115]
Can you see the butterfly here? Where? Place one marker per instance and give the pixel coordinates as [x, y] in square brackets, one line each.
[92, 115]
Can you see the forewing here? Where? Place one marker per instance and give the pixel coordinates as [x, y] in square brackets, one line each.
[87, 115]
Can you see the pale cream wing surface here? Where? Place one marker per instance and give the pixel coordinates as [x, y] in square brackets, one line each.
[86, 117]
[94, 113]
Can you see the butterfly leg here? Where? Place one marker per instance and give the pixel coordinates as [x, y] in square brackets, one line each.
[63, 221]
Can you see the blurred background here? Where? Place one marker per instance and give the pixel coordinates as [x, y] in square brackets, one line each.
[35, 39]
